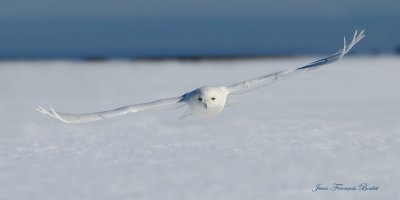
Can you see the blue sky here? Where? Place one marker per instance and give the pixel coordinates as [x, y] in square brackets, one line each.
[112, 8]
[161, 28]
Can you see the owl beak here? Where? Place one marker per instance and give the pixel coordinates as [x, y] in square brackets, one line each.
[205, 105]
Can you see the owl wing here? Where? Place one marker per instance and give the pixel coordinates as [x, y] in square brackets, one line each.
[89, 117]
[250, 85]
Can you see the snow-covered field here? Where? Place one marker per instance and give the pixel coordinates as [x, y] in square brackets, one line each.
[338, 124]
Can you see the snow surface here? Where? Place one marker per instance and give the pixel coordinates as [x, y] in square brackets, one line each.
[338, 124]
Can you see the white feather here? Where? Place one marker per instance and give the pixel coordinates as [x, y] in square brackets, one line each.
[204, 101]
[253, 84]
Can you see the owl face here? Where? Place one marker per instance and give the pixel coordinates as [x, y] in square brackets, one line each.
[209, 101]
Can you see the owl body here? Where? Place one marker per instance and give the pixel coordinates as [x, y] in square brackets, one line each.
[206, 101]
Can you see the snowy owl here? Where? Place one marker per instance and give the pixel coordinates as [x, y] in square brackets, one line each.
[204, 101]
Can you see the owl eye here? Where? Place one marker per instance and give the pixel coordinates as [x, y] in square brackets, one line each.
[213, 98]
[200, 99]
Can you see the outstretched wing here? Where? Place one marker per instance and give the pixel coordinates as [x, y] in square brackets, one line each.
[88, 117]
[250, 85]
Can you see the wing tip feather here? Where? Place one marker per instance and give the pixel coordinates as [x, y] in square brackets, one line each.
[51, 113]
[56, 115]
[44, 111]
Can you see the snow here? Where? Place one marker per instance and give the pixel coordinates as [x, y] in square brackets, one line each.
[338, 124]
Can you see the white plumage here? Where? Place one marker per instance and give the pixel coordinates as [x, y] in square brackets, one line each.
[204, 101]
